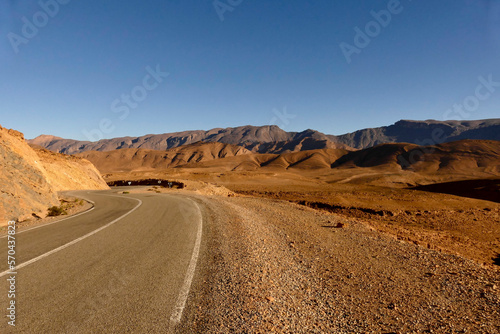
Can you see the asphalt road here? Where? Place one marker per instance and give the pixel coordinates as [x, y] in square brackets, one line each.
[124, 267]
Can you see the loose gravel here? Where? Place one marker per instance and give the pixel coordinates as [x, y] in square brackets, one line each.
[270, 266]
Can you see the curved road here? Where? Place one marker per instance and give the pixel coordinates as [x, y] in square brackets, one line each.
[123, 267]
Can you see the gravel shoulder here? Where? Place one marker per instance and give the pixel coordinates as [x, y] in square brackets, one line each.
[274, 266]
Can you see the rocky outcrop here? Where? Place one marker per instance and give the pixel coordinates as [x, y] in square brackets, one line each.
[30, 178]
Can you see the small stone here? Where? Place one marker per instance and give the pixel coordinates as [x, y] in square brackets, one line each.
[270, 299]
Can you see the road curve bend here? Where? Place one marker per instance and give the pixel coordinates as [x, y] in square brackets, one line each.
[124, 267]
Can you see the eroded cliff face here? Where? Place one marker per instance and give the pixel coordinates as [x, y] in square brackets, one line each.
[30, 177]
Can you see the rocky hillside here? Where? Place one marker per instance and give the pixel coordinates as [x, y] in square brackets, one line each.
[219, 156]
[136, 159]
[30, 178]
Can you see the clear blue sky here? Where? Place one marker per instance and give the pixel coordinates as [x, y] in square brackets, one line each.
[264, 57]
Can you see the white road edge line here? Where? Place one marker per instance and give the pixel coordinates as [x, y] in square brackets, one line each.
[24, 264]
[57, 221]
[176, 316]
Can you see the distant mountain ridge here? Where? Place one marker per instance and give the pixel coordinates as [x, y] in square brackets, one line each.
[258, 139]
[271, 139]
[427, 132]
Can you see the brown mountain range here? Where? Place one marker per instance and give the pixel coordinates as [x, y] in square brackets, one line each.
[272, 139]
[263, 139]
[466, 156]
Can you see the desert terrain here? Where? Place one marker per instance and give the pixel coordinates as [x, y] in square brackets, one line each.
[404, 190]
[334, 240]
[249, 167]
[316, 236]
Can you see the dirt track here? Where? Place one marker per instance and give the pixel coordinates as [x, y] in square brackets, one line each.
[273, 266]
